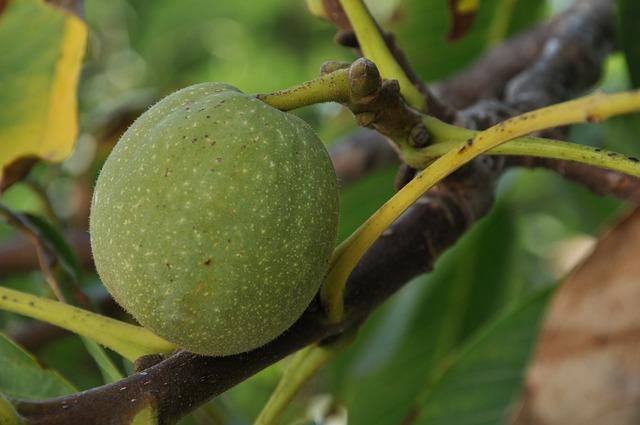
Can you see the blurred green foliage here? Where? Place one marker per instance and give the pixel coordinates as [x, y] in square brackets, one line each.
[422, 26]
[27, 379]
[140, 50]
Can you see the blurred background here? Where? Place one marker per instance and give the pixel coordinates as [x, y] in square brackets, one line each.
[140, 51]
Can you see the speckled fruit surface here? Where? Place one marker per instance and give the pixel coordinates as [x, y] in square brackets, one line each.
[214, 218]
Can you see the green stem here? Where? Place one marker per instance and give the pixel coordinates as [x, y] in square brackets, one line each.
[109, 370]
[147, 416]
[331, 87]
[302, 368]
[595, 107]
[8, 415]
[440, 131]
[129, 341]
[375, 48]
[539, 147]
[500, 22]
[316, 8]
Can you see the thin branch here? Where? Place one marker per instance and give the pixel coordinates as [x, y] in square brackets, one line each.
[347, 37]
[595, 107]
[45, 254]
[528, 148]
[184, 381]
[303, 366]
[375, 48]
[359, 154]
[589, 21]
[128, 340]
[600, 181]
[18, 254]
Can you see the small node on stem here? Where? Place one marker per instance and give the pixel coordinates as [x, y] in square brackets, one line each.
[373, 46]
[349, 253]
[376, 103]
[364, 81]
[147, 361]
[392, 87]
[419, 136]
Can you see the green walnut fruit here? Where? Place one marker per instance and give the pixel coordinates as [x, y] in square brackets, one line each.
[214, 219]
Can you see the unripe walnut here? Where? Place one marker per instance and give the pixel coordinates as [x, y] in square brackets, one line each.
[214, 219]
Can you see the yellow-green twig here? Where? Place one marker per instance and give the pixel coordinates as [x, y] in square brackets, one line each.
[303, 366]
[595, 107]
[130, 341]
[543, 148]
[331, 87]
[8, 415]
[375, 48]
[500, 22]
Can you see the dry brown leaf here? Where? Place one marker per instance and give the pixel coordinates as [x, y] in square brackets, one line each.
[586, 369]
[462, 14]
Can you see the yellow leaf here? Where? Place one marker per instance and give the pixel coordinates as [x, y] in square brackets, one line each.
[42, 49]
[467, 6]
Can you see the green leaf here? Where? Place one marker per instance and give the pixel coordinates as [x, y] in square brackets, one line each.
[39, 72]
[194, 40]
[110, 372]
[245, 401]
[147, 416]
[22, 377]
[628, 18]
[476, 386]
[362, 198]
[428, 320]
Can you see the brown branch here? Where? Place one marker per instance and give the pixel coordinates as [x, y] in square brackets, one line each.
[570, 58]
[366, 151]
[184, 381]
[486, 78]
[180, 383]
[359, 154]
[598, 180]
[573, 47]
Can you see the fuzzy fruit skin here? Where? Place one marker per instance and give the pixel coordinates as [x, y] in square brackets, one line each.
[214, 218]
